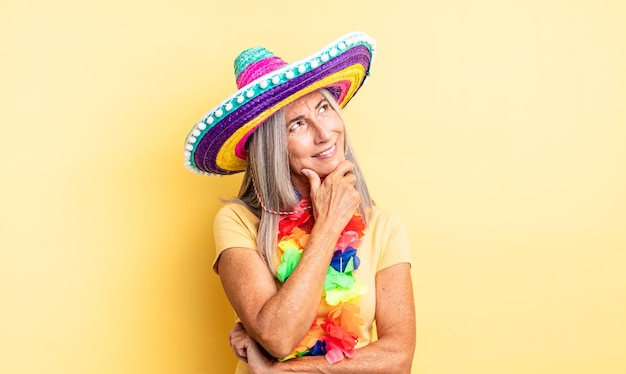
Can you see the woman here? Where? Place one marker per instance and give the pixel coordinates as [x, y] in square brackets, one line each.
[306, 259]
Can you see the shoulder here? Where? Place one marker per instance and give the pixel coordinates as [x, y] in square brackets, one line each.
[234, 211]
[389, 235]
[382, 218]
[235, 218]
[235, 226]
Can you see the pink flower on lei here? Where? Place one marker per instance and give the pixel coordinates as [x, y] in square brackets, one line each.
[348, 239]
[339, 342]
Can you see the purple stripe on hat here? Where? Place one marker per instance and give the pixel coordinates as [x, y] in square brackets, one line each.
[205, 154]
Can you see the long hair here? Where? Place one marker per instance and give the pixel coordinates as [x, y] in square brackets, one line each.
[268, 170]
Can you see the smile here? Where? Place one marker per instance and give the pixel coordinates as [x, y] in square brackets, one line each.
[327, 152]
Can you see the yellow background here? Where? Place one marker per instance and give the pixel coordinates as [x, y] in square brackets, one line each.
[496, 129]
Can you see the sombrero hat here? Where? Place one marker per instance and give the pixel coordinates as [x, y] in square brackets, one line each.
[216, 144]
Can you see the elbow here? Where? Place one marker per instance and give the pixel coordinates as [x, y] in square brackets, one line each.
[278, 340]
[398, 355]
[276, 345]
[405, 361]
[396, 362]
[277, 350]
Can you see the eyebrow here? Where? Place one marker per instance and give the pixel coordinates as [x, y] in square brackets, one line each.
[297, 118]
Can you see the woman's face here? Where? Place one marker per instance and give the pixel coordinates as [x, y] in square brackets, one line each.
[315, 137]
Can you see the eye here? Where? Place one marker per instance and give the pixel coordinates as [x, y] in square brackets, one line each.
[294, 126]
[324, 107]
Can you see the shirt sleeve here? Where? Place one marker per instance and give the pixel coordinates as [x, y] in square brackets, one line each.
[395, 245]
[235, 227]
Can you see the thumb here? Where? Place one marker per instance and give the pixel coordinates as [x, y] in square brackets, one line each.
[314, 179]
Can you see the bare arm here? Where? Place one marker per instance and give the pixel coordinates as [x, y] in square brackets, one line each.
[276, 318]
[391, 353]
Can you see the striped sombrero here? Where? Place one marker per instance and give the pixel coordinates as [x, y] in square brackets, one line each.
[216, 144]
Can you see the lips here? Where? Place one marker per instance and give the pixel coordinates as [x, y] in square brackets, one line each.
[327, 152]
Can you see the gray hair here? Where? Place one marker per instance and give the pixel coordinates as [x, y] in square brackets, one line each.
[268, 170]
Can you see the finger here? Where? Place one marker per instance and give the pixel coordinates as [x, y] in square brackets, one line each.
[241, 353]
[350, 178]
[343, 169]
[235, 332]
[313, 177]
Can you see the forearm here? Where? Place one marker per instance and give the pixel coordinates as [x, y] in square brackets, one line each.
[286, 316]
[380, 357]
[393, 351]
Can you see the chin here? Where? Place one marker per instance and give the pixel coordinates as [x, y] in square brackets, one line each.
[323, 172]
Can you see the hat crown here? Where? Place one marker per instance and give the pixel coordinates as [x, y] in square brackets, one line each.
[253, 63]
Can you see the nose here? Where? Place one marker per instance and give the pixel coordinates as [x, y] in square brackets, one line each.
[321, 134]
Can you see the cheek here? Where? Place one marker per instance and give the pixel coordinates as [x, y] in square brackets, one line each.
[336, 124]
[293, 152]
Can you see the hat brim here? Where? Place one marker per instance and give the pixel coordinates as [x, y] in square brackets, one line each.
[216, 144]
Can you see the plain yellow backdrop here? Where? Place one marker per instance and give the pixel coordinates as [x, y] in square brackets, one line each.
[496, 129]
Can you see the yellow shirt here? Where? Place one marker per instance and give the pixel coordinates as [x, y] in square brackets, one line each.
[384, 243]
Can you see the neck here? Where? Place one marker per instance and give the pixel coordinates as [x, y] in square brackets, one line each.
[303, 187]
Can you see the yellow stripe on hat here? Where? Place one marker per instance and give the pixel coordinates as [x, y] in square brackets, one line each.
[226, 158]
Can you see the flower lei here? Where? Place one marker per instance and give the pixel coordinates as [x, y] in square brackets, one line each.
[336, 335]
